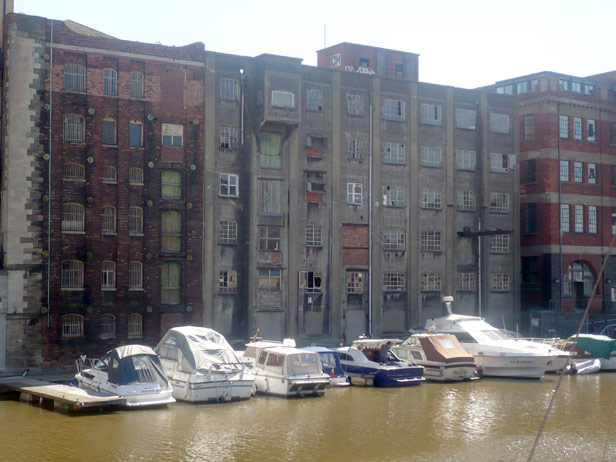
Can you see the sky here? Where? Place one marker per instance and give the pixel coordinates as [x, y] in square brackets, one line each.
[465, 44]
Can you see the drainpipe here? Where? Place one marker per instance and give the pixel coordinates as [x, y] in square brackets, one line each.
[49, 176]
[370, 225]
[560, 223]
[479, 285]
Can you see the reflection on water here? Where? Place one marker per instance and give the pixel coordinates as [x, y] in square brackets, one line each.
[486, 420]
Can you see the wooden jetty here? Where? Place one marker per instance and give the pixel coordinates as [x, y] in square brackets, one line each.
[60, 397]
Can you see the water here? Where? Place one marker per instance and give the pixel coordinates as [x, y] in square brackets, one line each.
[486, 420]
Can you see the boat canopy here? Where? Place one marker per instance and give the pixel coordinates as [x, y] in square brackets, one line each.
[133, 364]
[598, 345]
[441, 347]
[201, 348]
[290, 361]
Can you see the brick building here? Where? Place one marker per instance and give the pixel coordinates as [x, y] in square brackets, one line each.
[151, 186]
[568, 202]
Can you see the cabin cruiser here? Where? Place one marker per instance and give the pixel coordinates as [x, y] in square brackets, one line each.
[287, 371]
[444, 359]
[594, 353]
[330, 361]
[202, 366]
[365, 364]
[133, 372]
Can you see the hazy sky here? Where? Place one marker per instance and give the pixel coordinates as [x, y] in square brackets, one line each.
[461, 43]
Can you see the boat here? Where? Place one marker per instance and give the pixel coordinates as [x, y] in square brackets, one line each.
[202, 366]
[363, 365]
[592, 347]
[330, 361]
[133, 372]
[444, 359]
[287, 371]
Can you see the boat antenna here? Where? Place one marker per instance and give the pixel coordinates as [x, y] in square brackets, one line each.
[448, 299]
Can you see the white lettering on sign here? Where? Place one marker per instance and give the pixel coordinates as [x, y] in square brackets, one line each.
[361, 70]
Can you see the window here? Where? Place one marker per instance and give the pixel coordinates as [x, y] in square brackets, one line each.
[136, 85]
[354, 148]
[108, 275]
[227, 282]
[227, 232]
[335, 60]
[499, 123]
[466, 118]
[529, 127]
[314, 100]
[465, 160]
[171, 231]
[588, 89]
[108, 220]
[135, 134]
[466, 201]
[431, 156]
[564, 84]
[577, 128]
[229, 185]
[355, 105]
[501, 163]
[563, 126]
[506, 90]
[269, 279]
[228, 139]
[73, 172]
[578, 172]
[393, 196]
[283, 99]
[399, 68]
[109, 132]
[355, 282]
[108, 326]
[564, 170]
[171, 184]
[576, 87]
[173, 135]
[579, 218]
[354, 193]
[500, 243]
[270, 149]
[135, 325]
[135, 221]
[170, 276]
[74, 128]
[500, 282]
[430, 114]
[271, 204]
[314, 235]
[71, 275]
[466, 282]
[521, 87]
[110, 82]
[393, 282]
[74, 77]
[394, 109]
[364, 62]
[530, 219]
[530, 273]
[613, 133]
[592, 219]
[135, 176]
[430, 241]
[310, 282]
[73, 218]
[499, 203]
[565, 219]
[269, 238]
[109, 174]
[394, 239]
[578, 271]
[613, 221]
[135, 275]
[430, 199]
[591, 130]
[394, 153]
[72, 326]
[430, 282]
[530, 171]
[229, 89]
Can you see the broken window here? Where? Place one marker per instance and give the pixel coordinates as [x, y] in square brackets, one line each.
[310, 281]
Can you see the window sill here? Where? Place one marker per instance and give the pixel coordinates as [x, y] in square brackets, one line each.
[135, 289]
[76, 92]
[227, 243]
[73, 232]
[136, 234]
[109, 233]
[77, 180]
[138, 148]
[105, 145]
[75, 143]
[110, 182]
[72, 289]
[135, 184]
[108, 289]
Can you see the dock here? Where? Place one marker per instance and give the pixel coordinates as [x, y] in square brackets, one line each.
[59, 397]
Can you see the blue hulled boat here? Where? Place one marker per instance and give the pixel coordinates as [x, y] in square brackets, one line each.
[330, 361]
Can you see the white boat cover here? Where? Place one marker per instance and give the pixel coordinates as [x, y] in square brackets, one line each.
[201, 347]
[441, 347]
[133, 350]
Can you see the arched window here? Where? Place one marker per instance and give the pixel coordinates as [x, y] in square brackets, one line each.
[135, 275]
[108, 326]
[74, 128]
[110, 174]
[135, 325]
[72, 326]
[74, 77]
[73, 172]
[135, 221]
[108, 276]
[72, 218]
[108, 220]
[109, 131]
[110, 82]
[579, 280]
[135, 176]
[71, 275]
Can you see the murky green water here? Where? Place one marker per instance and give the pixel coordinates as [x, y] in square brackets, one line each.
[486, 420]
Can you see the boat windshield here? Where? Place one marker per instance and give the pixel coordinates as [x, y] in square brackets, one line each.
[328, 359]
[303, 363]
[482, 331]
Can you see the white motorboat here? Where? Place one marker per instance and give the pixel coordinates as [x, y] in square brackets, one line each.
[202, 366]
[444, 359]
[593, 350]
[287, 372]
[133, 372]
[364, 366]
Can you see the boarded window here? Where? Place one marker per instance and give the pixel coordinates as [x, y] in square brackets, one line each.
[270, 198]
[270, 149]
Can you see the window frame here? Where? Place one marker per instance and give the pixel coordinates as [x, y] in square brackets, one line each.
[74, 213]
[229, 185]
[110, 82]
[108, 275]
[499, 123]
[431, 199]
[394, 153]
[135, 325]
[109, 136]
[74, 77]
[71, 275]
[135, 275]
[137, 85]
[227, 232]
[500, 202]
[229, 89]
[466, 119]
[108, 220]
[74, 129]
[135, 221]
[394, 110]
[314, 100]
[71, 326]
[354, 193]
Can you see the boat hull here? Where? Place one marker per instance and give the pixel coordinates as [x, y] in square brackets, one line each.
[385, 377]
[198, 388]
[275, 385]
[135, 396]
[449, 372]
[524, 367]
